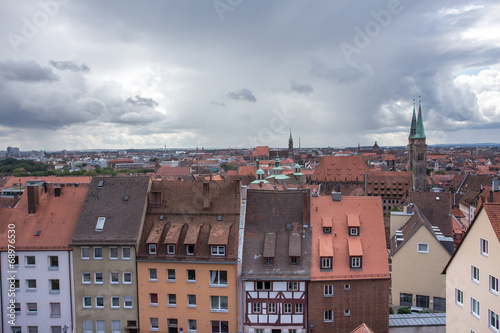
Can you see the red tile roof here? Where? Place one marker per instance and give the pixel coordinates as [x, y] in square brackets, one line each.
[363, 328]
[493, 211]
[340, 168]
[49, 179]
[261, 151]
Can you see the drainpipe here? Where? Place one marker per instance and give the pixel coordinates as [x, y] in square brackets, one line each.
[72, 292]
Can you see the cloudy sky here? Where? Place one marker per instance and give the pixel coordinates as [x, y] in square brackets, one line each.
[240, 73]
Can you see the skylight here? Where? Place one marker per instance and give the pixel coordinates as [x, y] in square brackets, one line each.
[100, 223]
[100, 184]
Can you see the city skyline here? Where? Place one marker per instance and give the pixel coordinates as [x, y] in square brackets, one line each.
[241, 74]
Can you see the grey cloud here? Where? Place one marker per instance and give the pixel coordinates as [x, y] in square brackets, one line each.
[141, 101]
[301, 88]
[69, 65]
[26, 71]
[218, 103]
[347, 73]
[243, 94]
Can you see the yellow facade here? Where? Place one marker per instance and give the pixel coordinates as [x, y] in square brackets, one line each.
[459, 316]
[202, 287]
[419, 273]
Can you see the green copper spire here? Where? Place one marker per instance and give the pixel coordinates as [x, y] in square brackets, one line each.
[420, 123]
[413, 127]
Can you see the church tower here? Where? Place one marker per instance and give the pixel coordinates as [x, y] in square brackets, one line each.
[290, 146]
[417, 151]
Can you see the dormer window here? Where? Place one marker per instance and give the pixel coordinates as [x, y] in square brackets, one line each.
[218, 250]
[326, 263]
[294, 260]
[171, 249]
[327, 230]
[190, 249]
[354, 231]
[100, 223]
[152, 248]
[355, 262]
[268, 261]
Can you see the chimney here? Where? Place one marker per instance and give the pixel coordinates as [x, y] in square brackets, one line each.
[33, 199]
[494, 185]
[336, 196]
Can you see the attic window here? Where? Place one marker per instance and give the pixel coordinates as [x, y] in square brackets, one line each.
[353, 231]
[355, 262]
[161, 217]
[152, 248]
[219, 218]
[125, 198]
[327, 230]
[100, 184]
[100, 223]
[37, 233]
[268, 261]
[294, 260]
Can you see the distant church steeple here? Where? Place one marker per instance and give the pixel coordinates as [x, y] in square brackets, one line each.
[290, 146]
[417, 150]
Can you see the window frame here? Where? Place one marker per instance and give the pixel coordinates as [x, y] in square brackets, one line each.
[328, 316]
[220, 250]
[353, 231]
[28, 288]
[129, 257]
[127, 299]
[170, 273]
[97, 298]
[87, 298]
[219, 307]
[256, 307]
[26, 264]
[483, 246]
[356, 262]
[87, 250]
[172, 300]
[299, 308]
[84, 274]
[459, 297]
[51, 264]
[31, 312]
[426, 250]
[217, 281]
[294, 285]
[474, 274]
[271, 307]
[171, 249]
[493, 321]
[152, 248]
[111, 280]
[265, 285]
[153, 274]
[52, 290]
[326, 263]
[493, 284]
[112, 301]
[95, 249]
[154, 324]
[475, 305]
[190, 249]
[152, 298]
[188, 271]
[190, 298]
[110, 250]
[101, 279]
[328, 290]
[287, 308]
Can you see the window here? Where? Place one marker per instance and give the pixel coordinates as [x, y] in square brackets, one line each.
[55, 310]
[115, 326]
[405, 299]
[422, 301]
[54, 286]
[53, 262]
[15, 262]
[459, 297]
[172, 300]
[126, 253]
[153, 299]
[218, 304]
[355, 262]
[33, 329]
[294, 260]
[493, 320]
[57, 329]
[99, 326]
[218, 250]
[100, 223]
[271, 307]
[328, 316]
[474, 307]
[192, 325]
[113, 253]
[170, 249]
[423, 248]
[293, 285]
[326, 263]
[152, 248]
[15, 329]
[32, 308]
[152, 274]
[85, 252]
[98, 278]
[353, 231]
[287, 308]
[256, 307]
[115, 302]
[87, 302]
[192, 301]
[327, 230]
[86, 278]
[328, 290]
[268, 261]
[474, 272]
[31, 285]
[263, 285]
[30, 261]
[190, 249]
[347, 286]
[439, 304]
[218, 278]
[484, 247]
[191, 275]
[493, 284]
[127, 277]
[171, 275]
[154, 324]
[17, 307]
[219, 326]
[299, 308]
[127, 302]
[99, 302]
[98, 253]
[88, 326]
[16, 284]
[114, 278]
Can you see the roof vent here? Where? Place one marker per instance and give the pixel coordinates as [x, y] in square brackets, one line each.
[336, 196]
[125, 198]
[288, 226]
[37, 233]
[438, 198]
[161, 217]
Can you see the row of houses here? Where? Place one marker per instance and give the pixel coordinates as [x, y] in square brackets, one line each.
[128, 254]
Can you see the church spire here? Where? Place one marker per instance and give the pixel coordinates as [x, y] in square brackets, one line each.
[290, 140]
[420, 123]
[413, 127]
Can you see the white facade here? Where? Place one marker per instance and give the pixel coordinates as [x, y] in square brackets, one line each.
[44, 291]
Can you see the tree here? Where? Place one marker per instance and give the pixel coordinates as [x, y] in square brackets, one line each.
[404, 310]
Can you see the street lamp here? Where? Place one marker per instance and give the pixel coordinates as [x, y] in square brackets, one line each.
[311, 326]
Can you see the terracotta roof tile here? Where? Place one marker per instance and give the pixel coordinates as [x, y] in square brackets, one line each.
[269, 245]
[219, 234]
[173, 233]
[260, 151]
[355, 248]
[340, 168]
[192, 233]
[155, 233]
[363, 328]
[493, 211]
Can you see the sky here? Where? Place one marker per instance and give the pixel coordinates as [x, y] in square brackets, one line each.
[241, 73]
